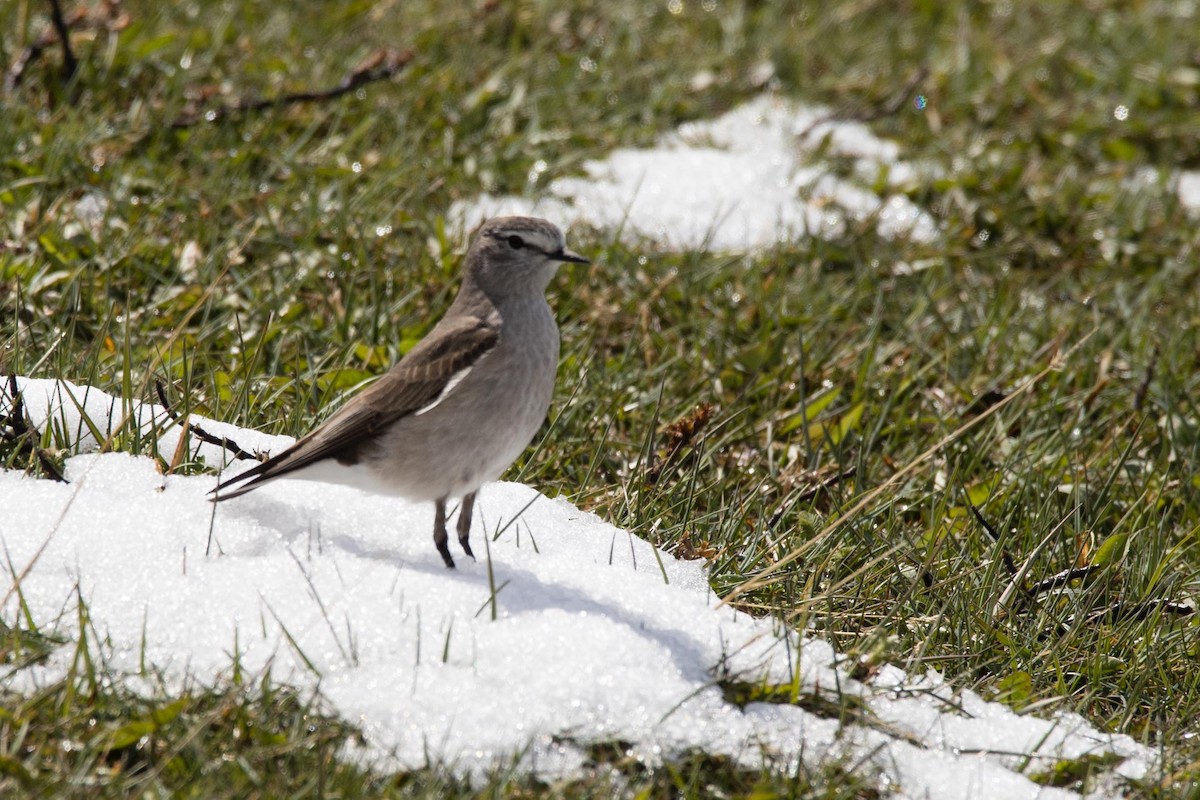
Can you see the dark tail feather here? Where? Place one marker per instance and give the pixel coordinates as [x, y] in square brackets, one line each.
[251, 479]
[299, 455]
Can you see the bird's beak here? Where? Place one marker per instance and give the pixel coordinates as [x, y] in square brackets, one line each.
[568, 255]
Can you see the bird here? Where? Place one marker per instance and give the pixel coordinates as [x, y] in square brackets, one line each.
[462, 404]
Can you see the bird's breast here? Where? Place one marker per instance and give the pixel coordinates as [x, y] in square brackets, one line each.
[485, 422]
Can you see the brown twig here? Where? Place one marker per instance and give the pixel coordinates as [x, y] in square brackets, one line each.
[110, 18]
[21, 430]
[379, 66]
[1114, 612]
[201, 434]
[1005, 556]
[811, 492]
[887, 109]
[1119, 611]
[825, 483]
[34, 51]
[1063, 578]
[70, 64]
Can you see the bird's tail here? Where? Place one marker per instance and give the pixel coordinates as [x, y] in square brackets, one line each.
[250, 480]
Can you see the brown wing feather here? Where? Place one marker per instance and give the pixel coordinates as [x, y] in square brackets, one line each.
[416, 381]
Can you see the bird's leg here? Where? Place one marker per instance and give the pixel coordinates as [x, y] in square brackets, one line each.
[439, 533]
[465, 510]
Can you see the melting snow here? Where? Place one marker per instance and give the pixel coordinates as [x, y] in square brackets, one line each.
[1188, 189]
[757, 176]
[597, 635]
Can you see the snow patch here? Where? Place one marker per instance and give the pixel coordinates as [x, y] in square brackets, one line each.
[758, 176]
[586, 634]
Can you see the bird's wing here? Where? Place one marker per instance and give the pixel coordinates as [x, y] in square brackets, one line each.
[419, 381]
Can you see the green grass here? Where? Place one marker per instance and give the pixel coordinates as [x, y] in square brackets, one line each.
[1056, 289]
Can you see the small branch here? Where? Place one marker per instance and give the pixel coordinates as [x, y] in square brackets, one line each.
[894, 104]
[201, 434]
[109, 18]
[70, 64]
[1119, 611]
[811, 492]
[380, 66]
[832, 480]
[16, 73]
[22, 430]
[1009, 564]
[1063, 578]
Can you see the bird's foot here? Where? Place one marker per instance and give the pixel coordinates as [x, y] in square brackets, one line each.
[466, 546]
[445, 553]
[439, 533]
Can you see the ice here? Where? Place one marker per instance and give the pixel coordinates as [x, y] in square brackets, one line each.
[583, 632]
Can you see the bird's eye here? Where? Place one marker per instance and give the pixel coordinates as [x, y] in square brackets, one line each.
[515, 242]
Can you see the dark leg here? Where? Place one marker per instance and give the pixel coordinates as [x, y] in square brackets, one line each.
[439, 533]
[465, 510]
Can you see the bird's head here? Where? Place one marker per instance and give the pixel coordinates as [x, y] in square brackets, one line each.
[517, 254]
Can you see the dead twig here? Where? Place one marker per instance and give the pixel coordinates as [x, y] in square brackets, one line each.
[1114, 612]
[220, 441]
[109, 18]
[34, 51]
[1119, 611]
[775, 571]
[1063, 578]
[380, 66]
[1005, 556]
[70, 64]
[894, 104]
[825, 483]
[18, 430]
[829, 480]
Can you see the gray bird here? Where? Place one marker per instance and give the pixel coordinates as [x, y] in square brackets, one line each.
[459, 408]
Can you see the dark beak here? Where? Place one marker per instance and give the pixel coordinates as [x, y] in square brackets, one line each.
[568, 255]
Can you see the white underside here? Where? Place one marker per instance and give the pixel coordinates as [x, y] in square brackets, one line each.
[356, 476]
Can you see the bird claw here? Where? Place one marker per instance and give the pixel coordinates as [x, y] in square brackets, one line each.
[445, 553]
[466, 546]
